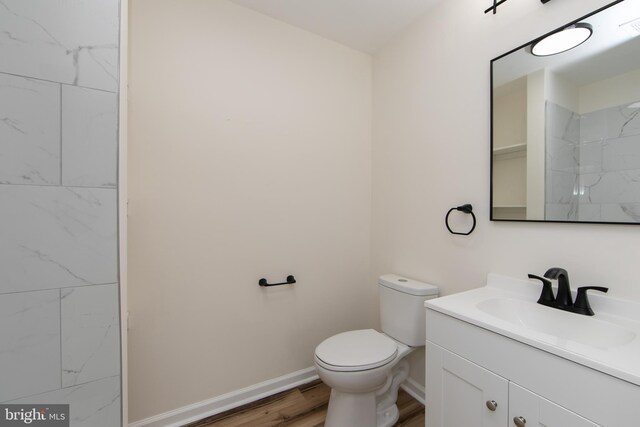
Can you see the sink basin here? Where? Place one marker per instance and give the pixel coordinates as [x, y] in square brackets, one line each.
[558, 325]
[608, 342]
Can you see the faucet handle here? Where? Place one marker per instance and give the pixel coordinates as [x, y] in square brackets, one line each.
[546, 296]
[582, 305]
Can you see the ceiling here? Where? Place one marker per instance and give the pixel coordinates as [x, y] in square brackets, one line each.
[364, 25]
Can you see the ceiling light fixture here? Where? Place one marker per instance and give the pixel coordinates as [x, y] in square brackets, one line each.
[563, 40]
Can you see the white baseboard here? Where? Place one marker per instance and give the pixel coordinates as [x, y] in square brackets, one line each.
[206, 408]
[414, 389]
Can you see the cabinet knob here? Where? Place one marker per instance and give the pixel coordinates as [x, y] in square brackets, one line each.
[492, 405]
[519, 421]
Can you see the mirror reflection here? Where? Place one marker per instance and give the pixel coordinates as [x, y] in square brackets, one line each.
[566, 127]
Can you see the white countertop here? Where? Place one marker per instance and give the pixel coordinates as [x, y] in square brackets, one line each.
[609, 341]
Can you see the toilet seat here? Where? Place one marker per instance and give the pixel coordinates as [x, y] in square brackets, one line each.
[356, 351]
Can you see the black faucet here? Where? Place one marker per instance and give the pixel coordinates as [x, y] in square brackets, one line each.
[546, 296]
[563, 299]
[582, 305]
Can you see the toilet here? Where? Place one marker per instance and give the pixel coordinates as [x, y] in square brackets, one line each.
[365, 368]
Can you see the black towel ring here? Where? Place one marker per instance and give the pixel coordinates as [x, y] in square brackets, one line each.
[468, 209]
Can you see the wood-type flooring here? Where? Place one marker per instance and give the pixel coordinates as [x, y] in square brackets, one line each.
[305, 406]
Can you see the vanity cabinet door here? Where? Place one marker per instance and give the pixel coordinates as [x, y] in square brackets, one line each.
[539, 412]
[460, 393]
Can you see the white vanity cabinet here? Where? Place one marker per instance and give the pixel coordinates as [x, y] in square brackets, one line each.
[479, 378]
[461, 393]
[537, 411]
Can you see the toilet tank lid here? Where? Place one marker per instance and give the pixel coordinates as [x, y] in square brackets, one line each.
[406, 285]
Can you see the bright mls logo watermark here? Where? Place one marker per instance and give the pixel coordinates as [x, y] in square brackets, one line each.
[34, 415]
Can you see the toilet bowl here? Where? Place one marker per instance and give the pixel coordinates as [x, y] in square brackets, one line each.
[359, 368]
[365, 368]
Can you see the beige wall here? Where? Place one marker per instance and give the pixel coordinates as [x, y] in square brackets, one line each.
[431, 152]
[510, 183]
[561, 91]
[617, 90]
[249, 157]
[510, 106]
[536, 109]
[510, 169]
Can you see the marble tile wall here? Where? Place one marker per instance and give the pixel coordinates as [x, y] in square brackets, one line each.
[59, 292]
[93, 404]
[593, 165]
[610, 165]
[562, 135]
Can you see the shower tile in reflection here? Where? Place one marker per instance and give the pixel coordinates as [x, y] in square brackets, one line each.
[590, 155]
[622, 121]
[621, 154]
[621, 212]
[564, 156]
[562, 124]
[612, 187]
[593, 126]
[563, 187]
[558, 212]
[590, 212]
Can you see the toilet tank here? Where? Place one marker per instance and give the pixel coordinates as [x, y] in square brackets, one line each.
[402, 312]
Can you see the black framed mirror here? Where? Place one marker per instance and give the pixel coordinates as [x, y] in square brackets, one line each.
[565, 127]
